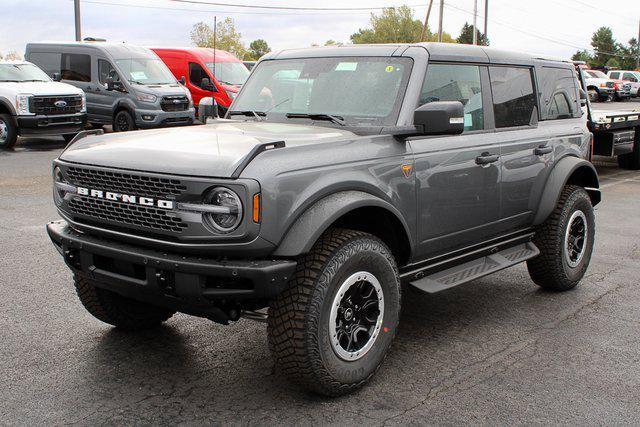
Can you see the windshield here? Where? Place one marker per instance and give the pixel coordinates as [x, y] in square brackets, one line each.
[360, 90]
[145, 71]
[597, 74]
[231, 73]
[22, 73]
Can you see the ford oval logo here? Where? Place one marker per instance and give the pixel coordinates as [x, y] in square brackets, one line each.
[60, 104]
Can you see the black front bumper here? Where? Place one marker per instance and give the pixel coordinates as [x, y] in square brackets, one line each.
[187, 283]
[51, 125]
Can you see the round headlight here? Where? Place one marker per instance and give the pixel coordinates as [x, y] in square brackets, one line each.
[228, 214]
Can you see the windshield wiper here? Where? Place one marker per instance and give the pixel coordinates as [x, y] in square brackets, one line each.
[335, 119]
[257, 114]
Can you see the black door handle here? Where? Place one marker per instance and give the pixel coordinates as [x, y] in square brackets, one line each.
[543, 149]
[486, 158]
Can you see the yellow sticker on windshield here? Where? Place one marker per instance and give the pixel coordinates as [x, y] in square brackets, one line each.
[389, 69]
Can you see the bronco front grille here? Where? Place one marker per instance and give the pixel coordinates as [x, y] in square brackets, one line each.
[122, 182]
[47, 104]
[122, 213]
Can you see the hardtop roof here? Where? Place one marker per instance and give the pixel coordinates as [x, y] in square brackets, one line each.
[115, 50]
[437, 52]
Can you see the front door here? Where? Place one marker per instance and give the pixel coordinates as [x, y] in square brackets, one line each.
[103, 101]
[458, 177]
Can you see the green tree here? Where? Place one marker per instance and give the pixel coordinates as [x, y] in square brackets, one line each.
[466, 35]
[257, 49]
[227, 37]
[604, 46]
[613, 63]
[393, 25]
[629, 54]
[582, 55]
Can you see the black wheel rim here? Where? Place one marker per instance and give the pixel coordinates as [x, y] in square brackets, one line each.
[122, 123]
[356, 316]
[575, 241]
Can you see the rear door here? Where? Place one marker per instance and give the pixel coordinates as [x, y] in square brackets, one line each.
[458, 199]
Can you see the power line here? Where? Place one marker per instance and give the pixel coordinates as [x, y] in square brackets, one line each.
[538, 36]
[251, 6]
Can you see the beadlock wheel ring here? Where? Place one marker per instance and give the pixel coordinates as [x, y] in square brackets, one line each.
[575, 238]
[356, 316]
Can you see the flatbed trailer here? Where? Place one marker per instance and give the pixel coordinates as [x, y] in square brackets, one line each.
[615, 133]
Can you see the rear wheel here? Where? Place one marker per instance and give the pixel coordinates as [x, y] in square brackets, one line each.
[117, 310]
[332, 328]
[123, 122]
[8, 131]
[565, 241]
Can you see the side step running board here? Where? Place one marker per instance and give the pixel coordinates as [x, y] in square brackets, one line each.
[477, 268]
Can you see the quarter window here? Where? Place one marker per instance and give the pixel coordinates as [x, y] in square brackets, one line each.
[514, 103]
[47, 61]
[76, 67]
[614, 75]
[559, 93]
[445, 82]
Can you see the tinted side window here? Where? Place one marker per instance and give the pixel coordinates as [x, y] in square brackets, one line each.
[514, 103]
[614, 75]
[196, 74]
[628, 76]
[76, 67]
[106, 70]
[49, 62]
[559, 92]
[445, 82]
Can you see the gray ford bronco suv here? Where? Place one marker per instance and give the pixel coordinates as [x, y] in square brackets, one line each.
[339, 174]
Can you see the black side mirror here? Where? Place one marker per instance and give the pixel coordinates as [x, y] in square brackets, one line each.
[56, 77]
[111, 83]
[183, 81]
[440, 118]
[206, 84]
[633, 80]
[208, 107]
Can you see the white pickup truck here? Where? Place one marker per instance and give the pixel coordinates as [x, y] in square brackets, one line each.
[33, 104]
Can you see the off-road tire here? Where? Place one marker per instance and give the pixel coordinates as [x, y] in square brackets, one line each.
[550, 270]
[123, 121]
[631, 160]
[11, 130]
[117, 310]
[298, 326]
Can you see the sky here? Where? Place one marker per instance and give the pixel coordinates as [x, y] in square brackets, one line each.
[549, 27]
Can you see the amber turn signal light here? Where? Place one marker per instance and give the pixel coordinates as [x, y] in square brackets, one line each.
[256, 208]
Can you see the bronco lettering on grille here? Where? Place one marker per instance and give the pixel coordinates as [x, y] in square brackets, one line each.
[124, 198]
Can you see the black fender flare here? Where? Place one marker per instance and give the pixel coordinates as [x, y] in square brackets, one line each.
[316, 219]
[124, 104]
[559, 177]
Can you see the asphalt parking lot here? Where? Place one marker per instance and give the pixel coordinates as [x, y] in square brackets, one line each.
[495, 351]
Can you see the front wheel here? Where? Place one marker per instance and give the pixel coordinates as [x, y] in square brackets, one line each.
[117, 310]
[8, 132]
[332, 327]
[565, 241]
[123, 122]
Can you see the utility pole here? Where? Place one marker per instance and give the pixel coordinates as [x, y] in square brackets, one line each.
[486, 18]
[638, 47]
[76, 9]
[426, 22]
[475, 21]
[440, 21]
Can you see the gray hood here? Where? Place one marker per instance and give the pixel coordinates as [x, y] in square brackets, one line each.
[213, 150]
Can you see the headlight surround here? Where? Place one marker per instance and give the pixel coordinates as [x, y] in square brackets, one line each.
[146, 97]
[230, 205]
[58, 192]
[22, 104]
